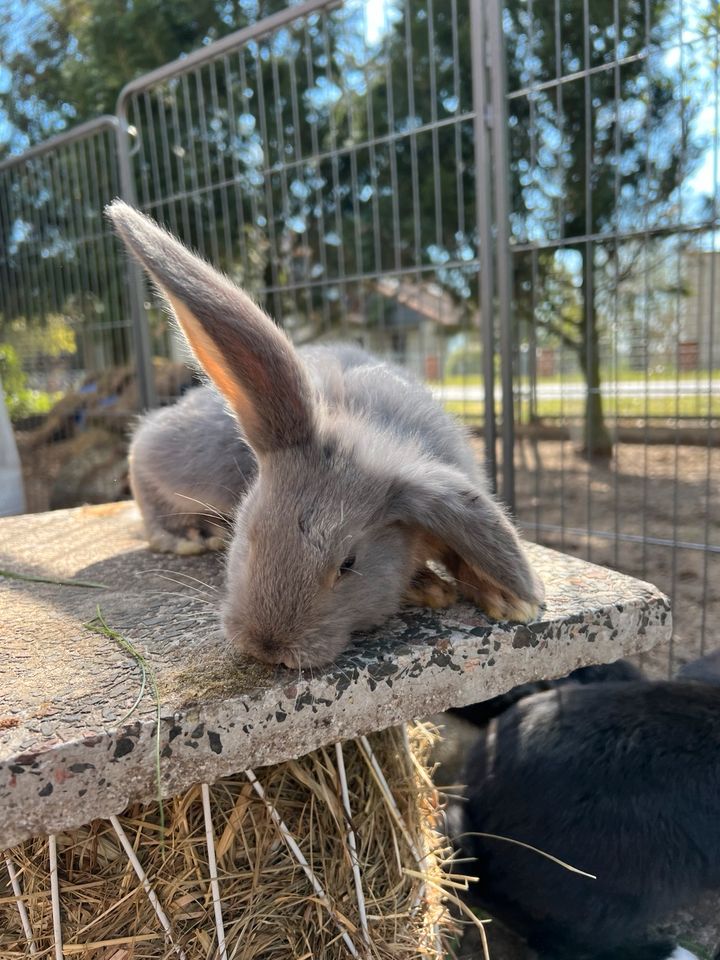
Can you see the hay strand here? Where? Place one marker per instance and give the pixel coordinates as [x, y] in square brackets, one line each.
[147, 886]
[55, 895]
[389, 798]
[527, 846]
[24, 919]
[299, 856]
[352, 844]
[212, 864]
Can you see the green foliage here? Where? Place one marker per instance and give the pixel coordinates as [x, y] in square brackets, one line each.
[53, 339]
[20, 400]
[80, 53]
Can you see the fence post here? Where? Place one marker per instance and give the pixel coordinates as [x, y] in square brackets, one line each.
[501, 193]
[136, 282]
[483, 223]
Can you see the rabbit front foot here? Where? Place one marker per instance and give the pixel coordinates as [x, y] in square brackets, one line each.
[191, 543]
[498, 603]
[428, 589]
[502, 606]
[492, 598]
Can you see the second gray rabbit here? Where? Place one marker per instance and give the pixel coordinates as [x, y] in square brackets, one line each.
[339, 475]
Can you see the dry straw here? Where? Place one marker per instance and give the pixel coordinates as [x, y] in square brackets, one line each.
[224, 879]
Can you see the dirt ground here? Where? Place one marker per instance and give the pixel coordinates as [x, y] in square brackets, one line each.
[668, 493]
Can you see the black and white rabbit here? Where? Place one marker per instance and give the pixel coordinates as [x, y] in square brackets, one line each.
[618, 779]
[339, 475]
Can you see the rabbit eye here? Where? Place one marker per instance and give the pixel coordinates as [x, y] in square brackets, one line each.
[347, 564]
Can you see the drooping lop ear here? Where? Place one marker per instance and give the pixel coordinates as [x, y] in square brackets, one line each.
[476, 540]
[248, 357]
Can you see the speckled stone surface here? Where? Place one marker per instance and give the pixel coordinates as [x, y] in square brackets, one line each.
[69, 752]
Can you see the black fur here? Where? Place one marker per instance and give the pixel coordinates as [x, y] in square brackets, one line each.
[481, 713]
[618, 779]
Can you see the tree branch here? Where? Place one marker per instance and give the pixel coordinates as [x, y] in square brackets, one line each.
[559, 332]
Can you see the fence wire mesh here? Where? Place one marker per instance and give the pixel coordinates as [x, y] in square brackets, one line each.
[63, 300]
[612, 119]
[328, 166]
[358, 167]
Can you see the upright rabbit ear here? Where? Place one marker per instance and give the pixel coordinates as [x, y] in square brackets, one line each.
[250, 360]
[473, 536]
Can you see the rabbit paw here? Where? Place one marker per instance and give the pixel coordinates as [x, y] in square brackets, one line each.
[191, 543]
[498, 603]
[427, 589]
[492, 598]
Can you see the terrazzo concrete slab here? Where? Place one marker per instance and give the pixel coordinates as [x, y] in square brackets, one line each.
[72, 747]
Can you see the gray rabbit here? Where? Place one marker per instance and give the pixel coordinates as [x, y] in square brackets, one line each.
[338, 475]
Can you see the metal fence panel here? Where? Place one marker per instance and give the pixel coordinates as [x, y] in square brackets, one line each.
[326, 161]
[613, 143]
[63, 299]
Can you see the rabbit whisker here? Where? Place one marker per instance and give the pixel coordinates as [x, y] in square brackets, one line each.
[189, 596]
[464, 583]
[296, 653]
[195, 513]
[239, 470]
[344, 675]
[201, 583]
[181, 573]
[208, 506]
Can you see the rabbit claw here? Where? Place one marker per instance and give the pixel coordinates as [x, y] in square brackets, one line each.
[500, 604]
[428, 589]
[497, 601]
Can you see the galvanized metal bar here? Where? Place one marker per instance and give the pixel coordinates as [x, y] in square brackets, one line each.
[80, 132]
[315, 152]
[483, 225]
[135, 279]
[501, 165]
[588, 288]
[617, 148]
[712, 313]
[212, 51]
[335, 168]
[638, 234]
[637, 538]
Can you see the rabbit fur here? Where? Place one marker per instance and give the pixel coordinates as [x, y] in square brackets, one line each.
[479, 714]
[340, 476]
[619, 779]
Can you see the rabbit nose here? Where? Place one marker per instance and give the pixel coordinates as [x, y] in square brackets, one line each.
[267, 648]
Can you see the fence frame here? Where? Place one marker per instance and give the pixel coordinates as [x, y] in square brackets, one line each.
[106, 121]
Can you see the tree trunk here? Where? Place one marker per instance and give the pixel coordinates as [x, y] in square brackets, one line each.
[597, 442]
